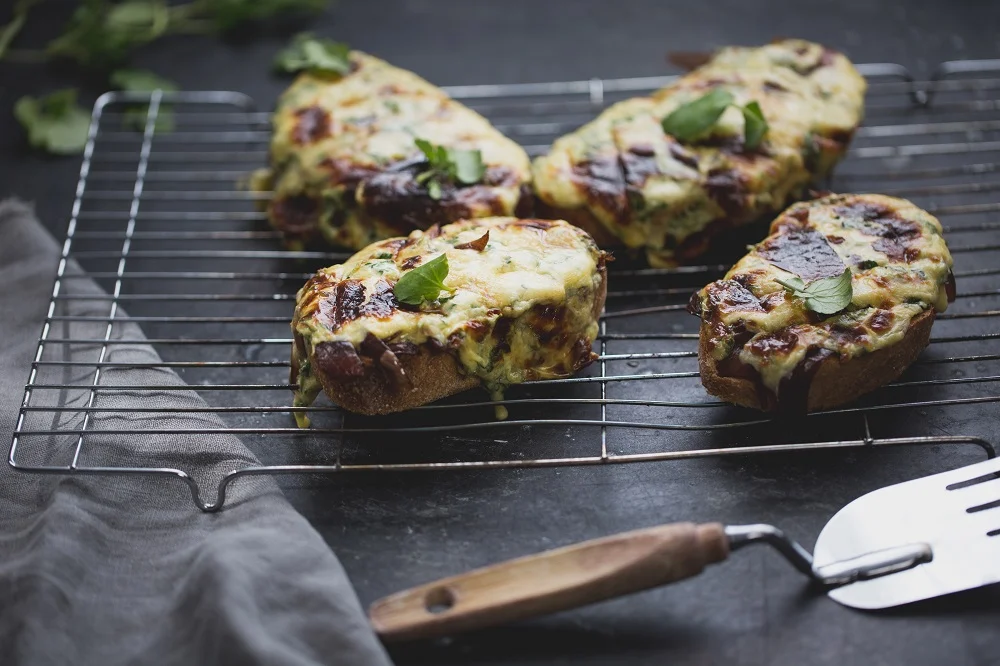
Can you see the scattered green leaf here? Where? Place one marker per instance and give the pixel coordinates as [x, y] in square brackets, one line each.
[754, 125]
[423, 283]
[55, 123]
[827, 295]
[449, 164]
[867, 264]
[307, 53]
[101, 34]
[143, 81]
[469, 167]
[690, 121]
[10, 31]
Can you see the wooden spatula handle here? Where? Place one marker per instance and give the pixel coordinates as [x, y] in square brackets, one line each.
[551, 581]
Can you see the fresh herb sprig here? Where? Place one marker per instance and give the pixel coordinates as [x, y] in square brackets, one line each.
[55, 123]
[423, 283]
[691, 121]
[20, 16]
[827, 295]
[143, 81]
[449, 165]
[102, 34]
[307, 53]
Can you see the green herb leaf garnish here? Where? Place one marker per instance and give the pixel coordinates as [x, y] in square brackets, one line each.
[867, 264]
[308, 53]
[827, 295]
[449, 164]
[423, 283]
[754, 126]
[691, 121]
[55, 122]
[101, 34]
[469, 166]
[140, 80]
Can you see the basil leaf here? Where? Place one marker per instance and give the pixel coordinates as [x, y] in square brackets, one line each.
[469, 167]
[308, 53]
[139, 15]
[423, 283]
[449, 164]
[98, 36]
[827, 295]
[754, 125]
[693, 119]
[793, 283]
[427, 148]
[55, 123]
[867, 264]
[140, 80]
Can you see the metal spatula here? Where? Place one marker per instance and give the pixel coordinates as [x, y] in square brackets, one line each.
[907, 542]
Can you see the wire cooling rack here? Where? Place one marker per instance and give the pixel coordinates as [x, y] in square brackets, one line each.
[162, 223]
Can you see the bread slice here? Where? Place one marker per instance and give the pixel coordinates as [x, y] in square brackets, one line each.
[669, 195]
[433, 374]
[835, 382]
[345, 166]
[764, 346]
[523, 305]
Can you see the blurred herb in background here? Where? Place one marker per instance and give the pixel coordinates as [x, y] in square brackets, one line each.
[307, 53]
[101, 36]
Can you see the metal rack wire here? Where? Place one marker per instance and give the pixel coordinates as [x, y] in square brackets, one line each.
[162, 224]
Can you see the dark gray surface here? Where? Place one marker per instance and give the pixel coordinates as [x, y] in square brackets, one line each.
[121, 571]
[393, 531]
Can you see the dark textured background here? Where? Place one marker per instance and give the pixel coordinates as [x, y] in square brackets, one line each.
[393, 531]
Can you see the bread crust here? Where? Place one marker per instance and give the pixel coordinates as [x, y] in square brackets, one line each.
[432, 373]
[836, 381]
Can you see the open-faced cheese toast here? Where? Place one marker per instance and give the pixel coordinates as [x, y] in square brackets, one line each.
[345, 164]
[768, 337]
[625, 178]
[519, 301]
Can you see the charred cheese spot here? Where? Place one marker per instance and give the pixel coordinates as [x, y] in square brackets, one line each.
[346, 144]
[651, 192]
[312, 124]
[900, 267]
[519, 307]
[803, 252]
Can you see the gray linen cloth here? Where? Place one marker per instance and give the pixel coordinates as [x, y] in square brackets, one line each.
[125, 570]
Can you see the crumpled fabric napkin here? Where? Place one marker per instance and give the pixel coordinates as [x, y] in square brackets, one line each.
[125, 570]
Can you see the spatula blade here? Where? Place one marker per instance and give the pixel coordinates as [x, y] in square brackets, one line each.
[957, 513]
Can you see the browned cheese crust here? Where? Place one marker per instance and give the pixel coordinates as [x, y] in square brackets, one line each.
[628, 181]
[765, 347]
[523, 305]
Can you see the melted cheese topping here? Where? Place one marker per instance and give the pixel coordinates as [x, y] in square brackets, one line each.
[900, 267]
[333, 133]
[654, 193]
[542, 275]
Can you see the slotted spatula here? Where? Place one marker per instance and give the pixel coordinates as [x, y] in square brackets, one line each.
[903, 543]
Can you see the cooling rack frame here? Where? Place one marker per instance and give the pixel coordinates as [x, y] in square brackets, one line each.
[552, 109]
